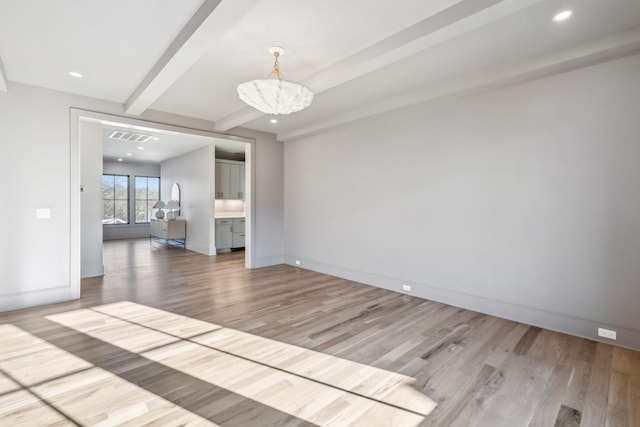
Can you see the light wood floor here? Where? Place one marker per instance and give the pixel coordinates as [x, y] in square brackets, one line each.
[171, 337]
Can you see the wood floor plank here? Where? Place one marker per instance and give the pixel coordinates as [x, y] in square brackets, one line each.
[619, 412]
[568, 417]
[550, 406]
[635, 388]
[521, 377]
[596, 404]
[21, 408]
[172, 337]
[581, 362]
[458, 412]
[527, 340]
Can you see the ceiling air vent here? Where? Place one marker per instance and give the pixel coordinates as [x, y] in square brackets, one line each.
[128, 136]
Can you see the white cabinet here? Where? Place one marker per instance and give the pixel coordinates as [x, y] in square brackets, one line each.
[237, 231]
[229, 180]
[236, 185]
[237, 240]
[223, 180]
[171, 231]
[223, 234]
[230, 233]
[241, 181]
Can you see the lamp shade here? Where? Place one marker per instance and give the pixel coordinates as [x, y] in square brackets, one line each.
[173, 204]
[159, 205]
[275, 96]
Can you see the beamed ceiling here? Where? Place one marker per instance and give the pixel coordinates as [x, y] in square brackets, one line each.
[360, 57]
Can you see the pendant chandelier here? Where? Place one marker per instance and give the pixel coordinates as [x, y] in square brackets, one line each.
[274, 95]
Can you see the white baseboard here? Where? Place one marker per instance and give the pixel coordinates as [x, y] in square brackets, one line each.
[585, 328]
[268, 261]
[92, 270]
[35, 298]
[200, 249]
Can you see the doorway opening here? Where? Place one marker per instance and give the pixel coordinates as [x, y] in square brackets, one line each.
[139, 152]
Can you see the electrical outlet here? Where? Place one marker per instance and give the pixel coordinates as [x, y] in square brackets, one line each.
[297, 262]
[607, 333]
[406, 288]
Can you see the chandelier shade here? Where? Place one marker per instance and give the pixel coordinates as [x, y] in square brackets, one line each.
[275, 95]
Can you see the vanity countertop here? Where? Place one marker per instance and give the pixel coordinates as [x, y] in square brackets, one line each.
[230, 215]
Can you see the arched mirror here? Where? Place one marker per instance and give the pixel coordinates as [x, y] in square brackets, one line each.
[175, 192]
[174, 203]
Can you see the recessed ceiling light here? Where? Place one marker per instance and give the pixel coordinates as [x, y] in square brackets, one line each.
[274, 121]
[129, 154]
[155, 139]
[120, 159]
[75, 74]
[141, 148]
[562, 16]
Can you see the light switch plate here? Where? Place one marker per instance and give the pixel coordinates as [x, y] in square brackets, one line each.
[43, 213]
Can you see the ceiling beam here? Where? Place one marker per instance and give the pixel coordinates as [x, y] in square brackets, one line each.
[237, 118]
[212, 20]
[623, 43]
[458, 19]
[3, 78]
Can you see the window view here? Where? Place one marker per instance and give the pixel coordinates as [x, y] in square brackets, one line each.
[115, 196]
[147, 194]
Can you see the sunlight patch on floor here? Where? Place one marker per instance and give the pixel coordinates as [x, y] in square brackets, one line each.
[318, 388]
[40, 384]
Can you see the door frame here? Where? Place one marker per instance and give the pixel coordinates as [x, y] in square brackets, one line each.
[76, 115]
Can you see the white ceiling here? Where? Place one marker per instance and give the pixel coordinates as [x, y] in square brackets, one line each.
[360, 57]
[162, 145]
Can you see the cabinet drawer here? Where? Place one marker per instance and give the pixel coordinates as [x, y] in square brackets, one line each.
[238, 240]
[223, 236]
[174, 229]
[226, 221]
[238, 225]
[168, 230]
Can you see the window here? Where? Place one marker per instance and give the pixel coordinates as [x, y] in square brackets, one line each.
[115, 197]
[147, 194]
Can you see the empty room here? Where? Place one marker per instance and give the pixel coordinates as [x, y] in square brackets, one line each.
[331, 213]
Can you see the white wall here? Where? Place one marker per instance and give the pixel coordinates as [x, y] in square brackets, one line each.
[132, 169]
[91, 204]
[193, 172]
[523, 202]
[269, 199]
[34, 154]
[35, 262]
